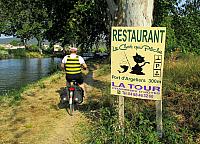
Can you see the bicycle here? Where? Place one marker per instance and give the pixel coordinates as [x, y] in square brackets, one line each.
[73, 96]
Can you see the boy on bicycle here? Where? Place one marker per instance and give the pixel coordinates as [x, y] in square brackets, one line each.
[72, 64]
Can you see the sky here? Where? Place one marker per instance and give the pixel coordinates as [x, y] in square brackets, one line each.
[183, 1]
[3, 36]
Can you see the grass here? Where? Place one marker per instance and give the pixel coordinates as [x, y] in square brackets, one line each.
[183, 75]
[35, 115]
[104, 70]
[181, 120]
[11, 97]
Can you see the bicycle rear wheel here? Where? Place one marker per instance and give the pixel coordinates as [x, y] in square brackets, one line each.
[71, 103]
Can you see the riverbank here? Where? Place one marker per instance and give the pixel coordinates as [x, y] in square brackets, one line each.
[19, 53]
[36, 118]
[22, 53]
[14, 97]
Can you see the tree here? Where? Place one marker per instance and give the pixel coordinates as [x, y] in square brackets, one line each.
[91, 22]
[186, 23]
[139, 12]
[24, 18]
[58, 13]
[163, 15]
[163, 9]
[85, 22]
[80, 22]
[132, 12]
[17, 19]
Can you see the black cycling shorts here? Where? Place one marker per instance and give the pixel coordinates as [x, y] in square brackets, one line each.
[77, 77]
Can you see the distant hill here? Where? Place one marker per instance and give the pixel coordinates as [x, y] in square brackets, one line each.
[8, 40]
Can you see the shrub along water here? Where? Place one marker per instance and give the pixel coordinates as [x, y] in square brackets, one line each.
[181, 121]
[3, 53]
[30, 52]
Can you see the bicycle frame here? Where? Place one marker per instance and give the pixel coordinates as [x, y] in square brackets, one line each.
[71, 93]
[71, 97]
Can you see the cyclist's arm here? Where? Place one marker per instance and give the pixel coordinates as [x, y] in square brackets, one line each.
[82, 62]
[63, 62]
[84, 66]
[62, 65]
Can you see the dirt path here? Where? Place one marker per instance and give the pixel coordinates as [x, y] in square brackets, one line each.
[38, 119]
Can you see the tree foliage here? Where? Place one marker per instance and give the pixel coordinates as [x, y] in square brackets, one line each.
[85, 22]
[182, 19]
[23, 18]
[187, 26]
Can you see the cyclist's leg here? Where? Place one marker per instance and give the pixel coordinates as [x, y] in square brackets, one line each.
[79, 80]
[83, 87]
[81, 84]
[69, 79]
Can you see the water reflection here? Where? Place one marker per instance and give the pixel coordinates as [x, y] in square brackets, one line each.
[15, 73]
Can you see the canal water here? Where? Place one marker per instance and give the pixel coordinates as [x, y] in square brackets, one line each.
[15, 73]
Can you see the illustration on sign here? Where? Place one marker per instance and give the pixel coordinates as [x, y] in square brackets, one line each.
[137, 69]
[137, 55]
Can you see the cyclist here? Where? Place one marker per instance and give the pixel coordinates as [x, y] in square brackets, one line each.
[72, 64]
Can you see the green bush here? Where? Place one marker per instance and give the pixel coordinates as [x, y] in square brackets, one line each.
[2, 48]
[33, 48]
[53, 67]
[11, 97]
[139, 128]
[33, 54]
[171, 40]
[18, 53]
[3, 53]
[15, 43]
[49, 50]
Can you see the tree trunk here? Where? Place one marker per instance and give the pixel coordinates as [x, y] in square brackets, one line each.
[132, 13]
[39, 44]
[24, 42]
[138, 12]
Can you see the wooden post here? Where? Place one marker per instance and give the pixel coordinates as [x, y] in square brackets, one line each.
[121, 112]
[159, 117]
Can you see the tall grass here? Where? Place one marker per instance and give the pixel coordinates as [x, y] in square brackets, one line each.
[181, 121]
[104, 70]
[182, 74]
[11, 97]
